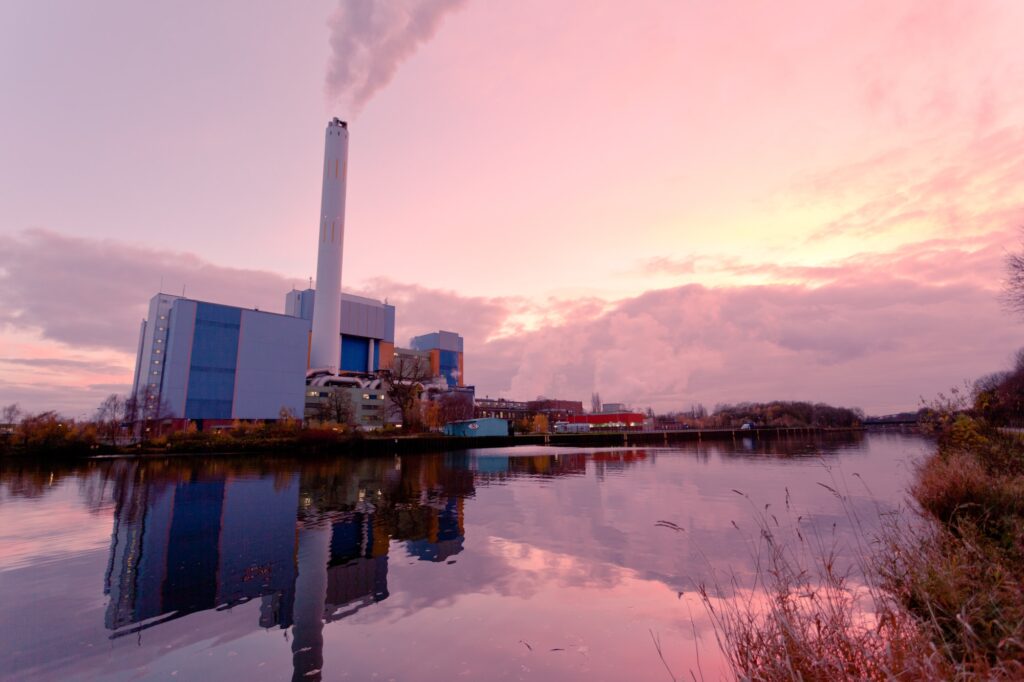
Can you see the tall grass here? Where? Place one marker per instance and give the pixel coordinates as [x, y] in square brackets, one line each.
[810, 615]
[937, 593]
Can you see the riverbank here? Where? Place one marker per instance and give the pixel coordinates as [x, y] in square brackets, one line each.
[945, 589]
[331, 443]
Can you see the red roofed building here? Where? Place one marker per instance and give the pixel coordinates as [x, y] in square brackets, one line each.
[609, 420]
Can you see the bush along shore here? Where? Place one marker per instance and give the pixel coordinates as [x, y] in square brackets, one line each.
[50, 436]
[937, 596]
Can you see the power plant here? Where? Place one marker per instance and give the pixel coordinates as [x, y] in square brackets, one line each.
[211, 364]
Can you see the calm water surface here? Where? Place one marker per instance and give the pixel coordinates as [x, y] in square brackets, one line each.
[523, 563]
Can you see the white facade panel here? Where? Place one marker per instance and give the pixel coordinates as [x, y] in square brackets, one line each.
[180, 332]
[138, 358]
[151, 357]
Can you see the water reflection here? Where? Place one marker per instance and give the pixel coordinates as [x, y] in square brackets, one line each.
[183, 546]
[313, 547]
[298, 545]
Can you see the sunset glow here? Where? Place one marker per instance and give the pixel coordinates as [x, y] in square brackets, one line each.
[668, 203]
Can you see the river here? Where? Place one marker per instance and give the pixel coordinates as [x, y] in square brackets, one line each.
[527, 563]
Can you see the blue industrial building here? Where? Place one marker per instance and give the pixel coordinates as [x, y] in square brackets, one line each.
[367, 328]
[208, 362]
[205, 361]
[445, 350]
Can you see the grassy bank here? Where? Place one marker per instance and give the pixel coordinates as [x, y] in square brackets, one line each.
[939, 596]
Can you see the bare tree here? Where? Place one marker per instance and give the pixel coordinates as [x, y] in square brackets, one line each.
[11, 413]
[455, 407]
[595, 402]
[337, 407]
[1013, 286]
[110, 417]
[403, 384]
[150, 411]
[323, 411]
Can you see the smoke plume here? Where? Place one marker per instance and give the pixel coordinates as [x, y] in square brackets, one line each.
[371, 38]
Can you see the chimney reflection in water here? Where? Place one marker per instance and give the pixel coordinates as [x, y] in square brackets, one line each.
[312, 547]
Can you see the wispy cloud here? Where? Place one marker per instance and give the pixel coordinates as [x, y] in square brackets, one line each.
[65, 364]
[973, 188]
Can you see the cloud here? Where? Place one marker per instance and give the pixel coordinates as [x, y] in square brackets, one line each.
[371, 38]
[874, 330]
[967, 260]
[93, 293]
[71, 401]
[879, 346]
[63, 364]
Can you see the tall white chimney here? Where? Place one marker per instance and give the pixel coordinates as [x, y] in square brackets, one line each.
[325, 352]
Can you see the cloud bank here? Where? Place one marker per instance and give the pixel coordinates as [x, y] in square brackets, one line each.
[371, 38]
[876, 331]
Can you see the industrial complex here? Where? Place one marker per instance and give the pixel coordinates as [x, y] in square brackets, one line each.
[210, 364]
[330, 356]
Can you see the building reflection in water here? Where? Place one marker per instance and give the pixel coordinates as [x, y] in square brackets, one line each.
[310, 541]
[195, 544]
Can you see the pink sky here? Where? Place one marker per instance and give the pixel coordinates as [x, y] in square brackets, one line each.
[666, 202]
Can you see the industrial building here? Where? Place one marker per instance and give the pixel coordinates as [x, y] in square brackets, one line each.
[212, 364]
[445, 349]
[209, 362]
[512, 410]
[364, 397]
[367, 329]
